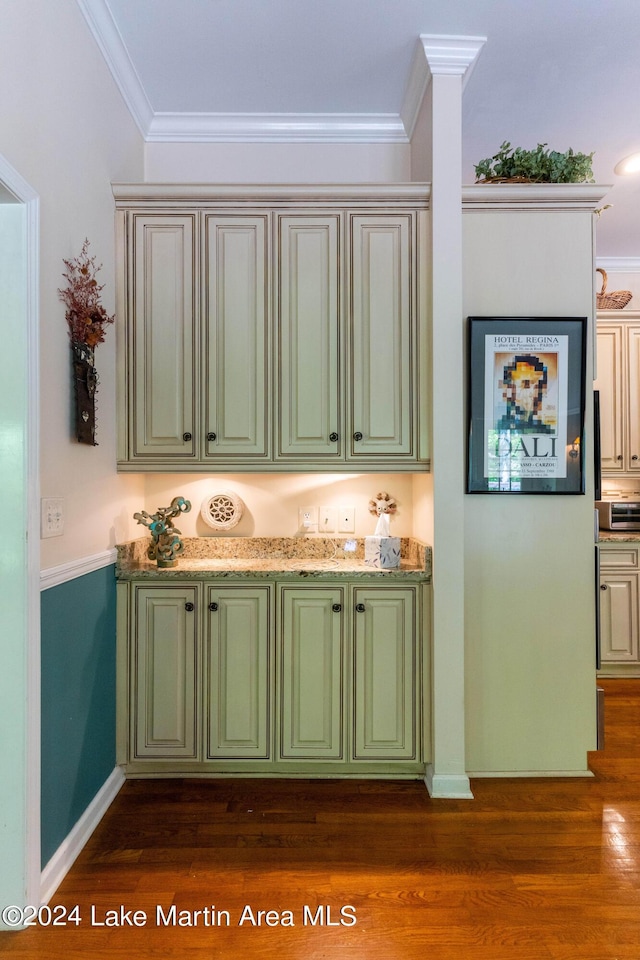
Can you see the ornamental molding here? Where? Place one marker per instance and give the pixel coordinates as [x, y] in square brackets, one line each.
[480, 197]
[434, 55]
[54, 576]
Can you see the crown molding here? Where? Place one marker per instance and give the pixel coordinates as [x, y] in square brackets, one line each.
[451, 56]
[129, 195]
[276, 128]
[619, 264]
[532, 196]
[106, 34]
[437, 55]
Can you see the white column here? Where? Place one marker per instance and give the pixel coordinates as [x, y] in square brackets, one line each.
[449, 60]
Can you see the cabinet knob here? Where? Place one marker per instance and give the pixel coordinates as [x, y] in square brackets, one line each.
[337, 607]
[333, 437]
[357, 435]
[213, 607]
[634, 457]
[603, 586]
[360, 608]
[186, 437]
[619, 457]
[211, 437]
[189, 607]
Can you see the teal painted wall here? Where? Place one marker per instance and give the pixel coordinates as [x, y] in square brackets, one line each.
[78, 699]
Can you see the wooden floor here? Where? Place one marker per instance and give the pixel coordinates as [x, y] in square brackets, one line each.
[529, 870]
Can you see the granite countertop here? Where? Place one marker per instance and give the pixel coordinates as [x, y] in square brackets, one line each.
[281, 558]
[619, 536]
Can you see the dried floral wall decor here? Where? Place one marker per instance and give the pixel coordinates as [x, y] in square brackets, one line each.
[86, 321]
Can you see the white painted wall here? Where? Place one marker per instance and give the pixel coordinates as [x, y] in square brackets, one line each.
[272, 501]
[529, 560]
[66, 130]
[277, 162]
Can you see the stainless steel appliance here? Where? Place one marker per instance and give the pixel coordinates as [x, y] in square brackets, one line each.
[619, 512]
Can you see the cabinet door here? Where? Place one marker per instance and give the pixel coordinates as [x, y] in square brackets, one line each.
[382, 337]
[610, 385]
[385, 674]
[618, 617]
[236, 343]
[238, 672]
[311, 673]
[162, 386]
[164, 700]
[633, 400]
[309, 410]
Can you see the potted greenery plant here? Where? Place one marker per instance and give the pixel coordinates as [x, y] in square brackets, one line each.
[513, 164]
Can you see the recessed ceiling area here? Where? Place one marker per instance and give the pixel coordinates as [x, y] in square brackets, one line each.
[562, 72]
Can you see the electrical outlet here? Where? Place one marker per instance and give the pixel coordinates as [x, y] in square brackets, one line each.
[327, 520]
[51, 517]
[308, 518]
[346, 519]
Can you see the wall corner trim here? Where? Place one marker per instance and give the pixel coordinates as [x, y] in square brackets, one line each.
[66, 854]
[54, 576]
[447, 786]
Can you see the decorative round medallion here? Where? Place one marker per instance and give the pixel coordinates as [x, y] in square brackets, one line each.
[222, 511]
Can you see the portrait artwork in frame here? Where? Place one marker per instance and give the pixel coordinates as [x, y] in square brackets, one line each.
[526, 396]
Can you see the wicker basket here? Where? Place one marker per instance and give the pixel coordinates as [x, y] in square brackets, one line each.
[611, 301]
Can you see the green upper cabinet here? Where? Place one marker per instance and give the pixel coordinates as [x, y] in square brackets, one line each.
[162, 388]
[272, 332]
[235, 377]
[382, 341]
[309, 325]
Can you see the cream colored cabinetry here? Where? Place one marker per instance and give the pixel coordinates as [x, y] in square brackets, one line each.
[287, 336]
[619, 609]
[213, 678]
[618, 369]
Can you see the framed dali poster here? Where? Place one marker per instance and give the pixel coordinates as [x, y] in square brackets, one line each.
[526, 396]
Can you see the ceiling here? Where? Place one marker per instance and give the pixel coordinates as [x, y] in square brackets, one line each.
[561, 72]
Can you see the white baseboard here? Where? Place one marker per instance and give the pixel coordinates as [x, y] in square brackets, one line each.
[527, 774]
[447, 786]
[64, 857]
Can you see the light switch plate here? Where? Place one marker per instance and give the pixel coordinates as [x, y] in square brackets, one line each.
[51, 517]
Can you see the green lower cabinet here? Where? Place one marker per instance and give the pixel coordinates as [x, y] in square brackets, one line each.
[385, 706]
[164, 671]
[311, 673]
[270, 678]
[237, 670]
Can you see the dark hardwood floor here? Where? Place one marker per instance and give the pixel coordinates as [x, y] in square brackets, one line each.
[529, 870]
